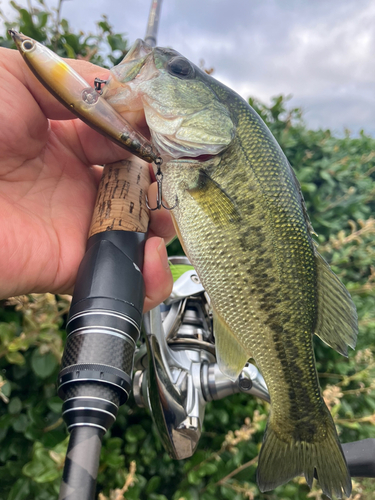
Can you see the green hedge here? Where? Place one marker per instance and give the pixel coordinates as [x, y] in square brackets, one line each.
[337, 176]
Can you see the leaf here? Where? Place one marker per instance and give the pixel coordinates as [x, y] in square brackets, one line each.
[65, 25]
[15, 358]
[73, 41]
[308, 187]
[350, 425]
[20, 490]
[153, 484]
[114, 460]
[69, 51]
[14, 406]
[104, 26]
[20, 423]
[131, 448]
[6, 421]
[6, 389]
[43, 365]
[194, 477]
[41, 468]
[27, 19]
[42, 18]
[55, 404]
[207, 469]
[7, 332]
[135, 433]
[117, 42]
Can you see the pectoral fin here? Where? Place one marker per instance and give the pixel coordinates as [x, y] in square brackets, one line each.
[230, 354]
[337, 323]
[214, 201]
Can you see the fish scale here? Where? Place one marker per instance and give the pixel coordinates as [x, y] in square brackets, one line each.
[236, 274]
[243, 224]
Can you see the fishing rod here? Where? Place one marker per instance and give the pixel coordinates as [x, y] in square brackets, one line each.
[153, 23]
[105, 314]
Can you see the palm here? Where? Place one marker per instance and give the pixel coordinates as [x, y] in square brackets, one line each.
[50, 200]
[47, 184]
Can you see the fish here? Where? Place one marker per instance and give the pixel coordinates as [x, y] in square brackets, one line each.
[80, 98]
[243, 224]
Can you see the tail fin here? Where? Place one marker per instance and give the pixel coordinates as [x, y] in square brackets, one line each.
[280, 461]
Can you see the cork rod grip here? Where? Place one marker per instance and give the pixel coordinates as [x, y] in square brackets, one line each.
[121, 204]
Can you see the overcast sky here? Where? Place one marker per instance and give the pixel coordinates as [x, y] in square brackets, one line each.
[322, 52]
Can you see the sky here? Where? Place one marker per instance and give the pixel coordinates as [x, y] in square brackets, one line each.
[321, 52]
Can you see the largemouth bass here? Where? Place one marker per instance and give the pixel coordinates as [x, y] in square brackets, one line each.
[243, 223]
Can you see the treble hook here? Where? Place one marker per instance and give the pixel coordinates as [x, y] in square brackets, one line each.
[159, 199]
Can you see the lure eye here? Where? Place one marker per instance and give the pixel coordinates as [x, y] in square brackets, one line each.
[27, 45]
[181, 67]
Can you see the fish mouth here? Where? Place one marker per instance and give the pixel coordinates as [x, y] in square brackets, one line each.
[137, 66]
[137, 50]
[131, 67]
[194, 159]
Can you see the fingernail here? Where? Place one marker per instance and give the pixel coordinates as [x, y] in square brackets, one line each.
[162, 251]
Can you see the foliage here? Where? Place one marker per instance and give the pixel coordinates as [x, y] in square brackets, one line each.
[337, 176]
[45, 25]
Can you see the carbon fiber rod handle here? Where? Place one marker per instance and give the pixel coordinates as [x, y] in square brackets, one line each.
[81, 464]
[103, 326]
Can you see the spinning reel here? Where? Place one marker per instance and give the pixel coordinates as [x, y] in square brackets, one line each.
[177, 373]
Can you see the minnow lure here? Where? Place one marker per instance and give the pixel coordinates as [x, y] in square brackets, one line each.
[80, 98]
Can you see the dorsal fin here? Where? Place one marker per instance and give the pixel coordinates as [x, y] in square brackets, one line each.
[337, 321]
[303, 203]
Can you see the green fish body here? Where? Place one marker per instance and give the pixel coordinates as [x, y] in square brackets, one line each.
[243, 224]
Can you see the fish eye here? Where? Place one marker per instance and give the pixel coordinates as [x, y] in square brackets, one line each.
[179, 66]
[27, 45]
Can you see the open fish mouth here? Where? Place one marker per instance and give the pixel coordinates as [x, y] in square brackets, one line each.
[121, 89]
[180, 124]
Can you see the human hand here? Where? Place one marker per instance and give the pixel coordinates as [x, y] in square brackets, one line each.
[49, 175]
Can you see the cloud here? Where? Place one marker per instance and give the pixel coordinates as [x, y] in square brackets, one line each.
[320, 52]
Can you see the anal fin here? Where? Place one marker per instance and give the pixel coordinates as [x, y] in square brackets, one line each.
[337, 322]
[230, 354]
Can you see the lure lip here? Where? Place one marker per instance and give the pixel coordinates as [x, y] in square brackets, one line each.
[18, 38]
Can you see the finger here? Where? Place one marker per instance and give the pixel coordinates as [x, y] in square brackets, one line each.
[161, 223]
[156, 273]
[89, 146]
